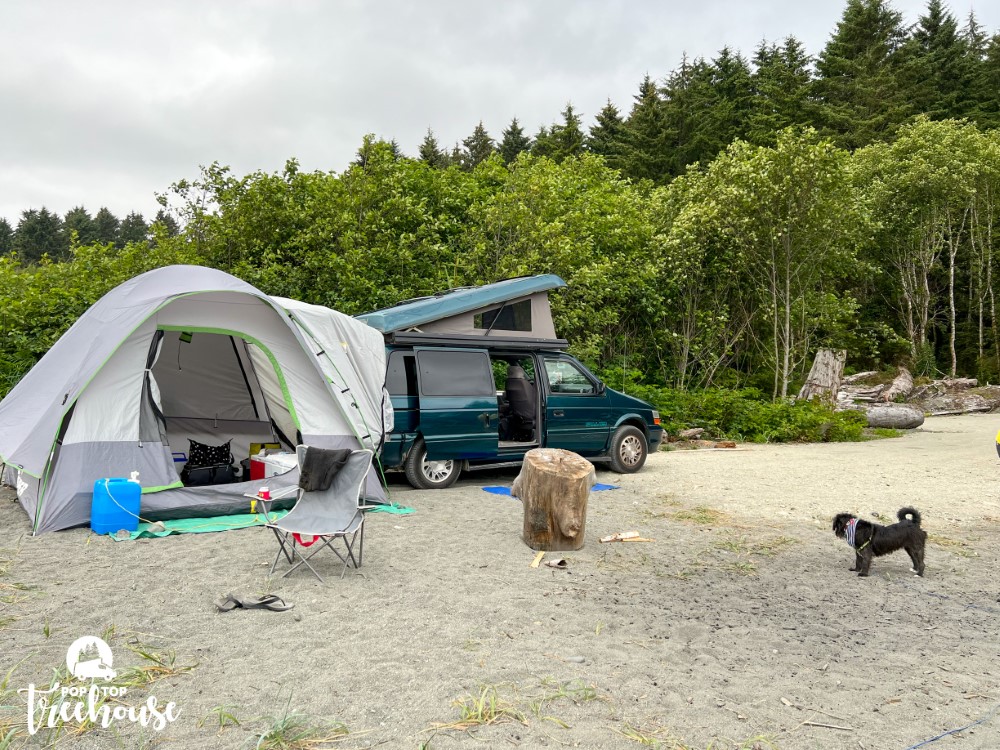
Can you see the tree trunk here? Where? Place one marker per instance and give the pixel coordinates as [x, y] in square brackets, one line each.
[901, 386]
[824, 377]
[554, 485]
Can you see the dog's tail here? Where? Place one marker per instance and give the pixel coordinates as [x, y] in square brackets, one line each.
[908, 511]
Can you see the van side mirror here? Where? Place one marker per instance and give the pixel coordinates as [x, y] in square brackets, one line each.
[601, 388]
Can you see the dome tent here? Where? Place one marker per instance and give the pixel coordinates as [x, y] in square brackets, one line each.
[186, 353]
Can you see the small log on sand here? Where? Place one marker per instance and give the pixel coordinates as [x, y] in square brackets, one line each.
[901, 386]
[894, 416]
[554, 485]
[852, 379]
[824, 377]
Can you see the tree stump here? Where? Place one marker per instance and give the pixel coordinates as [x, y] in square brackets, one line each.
[554, 485]
[824, 377]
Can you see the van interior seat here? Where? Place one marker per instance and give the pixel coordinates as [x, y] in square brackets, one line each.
[522, 397]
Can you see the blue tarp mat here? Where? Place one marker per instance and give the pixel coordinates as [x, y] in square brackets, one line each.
[506, 490]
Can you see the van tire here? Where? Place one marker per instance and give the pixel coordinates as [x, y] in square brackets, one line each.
[429, 475]
[628, 449]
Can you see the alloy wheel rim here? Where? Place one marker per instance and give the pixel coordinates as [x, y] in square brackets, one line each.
[437, 471]
[631, 450]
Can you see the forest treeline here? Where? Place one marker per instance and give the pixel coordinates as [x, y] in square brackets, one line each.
[740, 215]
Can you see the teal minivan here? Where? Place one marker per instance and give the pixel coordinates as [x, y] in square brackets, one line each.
[461, 405]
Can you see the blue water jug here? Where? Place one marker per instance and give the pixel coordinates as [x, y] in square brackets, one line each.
[115, 505]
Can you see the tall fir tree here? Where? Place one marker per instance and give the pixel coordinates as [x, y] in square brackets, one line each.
[730, 105]
[934, 72]
[976, 44]
[478, 147]
[858, 85]
[514, 142]
[989, 107]
[646, 152]
[133, 229]
[563, 139]
[687, 101]
[80, 221]
[608, 136]
[40, 232]
[106, 226]
[6, 237]
[168, 222]
[430, 153]
[781, 82]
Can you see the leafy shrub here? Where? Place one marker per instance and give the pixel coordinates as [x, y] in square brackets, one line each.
[748, 415]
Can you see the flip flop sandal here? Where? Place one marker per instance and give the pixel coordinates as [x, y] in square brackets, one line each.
[558, 563]
[270, 602]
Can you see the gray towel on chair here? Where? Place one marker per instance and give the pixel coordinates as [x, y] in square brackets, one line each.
[320, 466]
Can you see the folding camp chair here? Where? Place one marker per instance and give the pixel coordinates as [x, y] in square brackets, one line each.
[325, 515]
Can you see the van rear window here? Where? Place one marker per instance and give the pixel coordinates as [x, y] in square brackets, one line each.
[401, 375]
[453, 373]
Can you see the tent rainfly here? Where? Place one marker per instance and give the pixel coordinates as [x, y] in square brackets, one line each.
[187, 353]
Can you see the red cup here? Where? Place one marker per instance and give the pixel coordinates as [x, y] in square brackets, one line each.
[264, 493]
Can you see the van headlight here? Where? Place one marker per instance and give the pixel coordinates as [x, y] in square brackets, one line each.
[656, 417]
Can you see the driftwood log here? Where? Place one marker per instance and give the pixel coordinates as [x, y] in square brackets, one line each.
[554, 485]
[901, 386]
[824, 377]
[894, 416]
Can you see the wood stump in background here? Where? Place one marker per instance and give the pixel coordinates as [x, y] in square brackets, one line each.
[824, 377]
[554, 485]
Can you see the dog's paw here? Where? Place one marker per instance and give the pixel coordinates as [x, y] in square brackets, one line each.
[914, 570]
[862, 574]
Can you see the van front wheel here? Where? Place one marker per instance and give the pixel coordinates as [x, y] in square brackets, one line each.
[628, 449]
[425, 474]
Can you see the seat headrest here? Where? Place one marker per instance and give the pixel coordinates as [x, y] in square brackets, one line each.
[516, 371]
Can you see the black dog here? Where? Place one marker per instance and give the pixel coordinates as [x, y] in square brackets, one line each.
[872, 540]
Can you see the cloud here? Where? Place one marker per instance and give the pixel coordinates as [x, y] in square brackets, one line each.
[105, 103]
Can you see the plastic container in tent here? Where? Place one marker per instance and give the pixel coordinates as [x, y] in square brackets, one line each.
[115, 505]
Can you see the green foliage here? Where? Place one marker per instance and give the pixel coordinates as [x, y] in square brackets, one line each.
[39, 302]
[748, 415]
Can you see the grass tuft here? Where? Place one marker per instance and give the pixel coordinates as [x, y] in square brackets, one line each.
[701, 515]
[293, 730]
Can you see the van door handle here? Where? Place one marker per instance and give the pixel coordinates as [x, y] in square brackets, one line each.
[558, 413]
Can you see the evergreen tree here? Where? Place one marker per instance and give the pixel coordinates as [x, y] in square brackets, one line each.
[430, 153]
[542, 144]
[6, 237]
[608, 136]
[133, 229]
[514, 142]
[687, 101]
[646, 153]
[858, 86]
[106, 226]
[79, 220]
[478, 147]
[976, 44]
[989, 107]
[168, 222]
[567, 137]
[781, 90]
[40, 232]
[729, 107]
[935, 71]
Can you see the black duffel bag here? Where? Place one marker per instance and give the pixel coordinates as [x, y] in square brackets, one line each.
[198, 476]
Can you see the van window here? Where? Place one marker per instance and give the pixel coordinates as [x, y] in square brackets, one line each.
[401, 375]
[453, 373]
[565, 377]
[515, 317]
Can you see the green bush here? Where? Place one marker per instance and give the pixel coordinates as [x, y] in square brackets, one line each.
[747, 414]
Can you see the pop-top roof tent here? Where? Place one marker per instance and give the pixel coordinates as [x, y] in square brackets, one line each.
[512, 309]
[180, 353]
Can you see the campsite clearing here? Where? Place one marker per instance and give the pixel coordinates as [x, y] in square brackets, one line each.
[740, 625]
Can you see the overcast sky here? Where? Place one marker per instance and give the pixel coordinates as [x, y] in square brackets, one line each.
[105, 103]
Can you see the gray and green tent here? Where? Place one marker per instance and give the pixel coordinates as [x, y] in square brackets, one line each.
[187, 353]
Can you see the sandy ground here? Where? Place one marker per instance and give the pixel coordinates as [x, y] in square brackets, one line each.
[738, 627]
